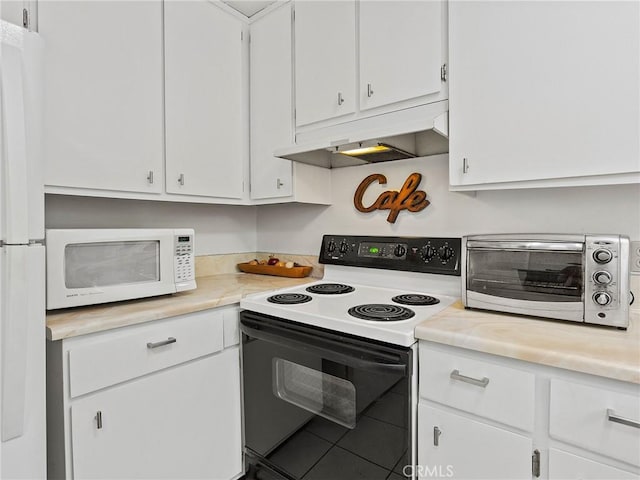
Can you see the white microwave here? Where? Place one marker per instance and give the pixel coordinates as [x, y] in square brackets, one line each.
[90, 266]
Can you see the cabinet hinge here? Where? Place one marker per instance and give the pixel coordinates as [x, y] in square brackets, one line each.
[443, 72]
[535, 463]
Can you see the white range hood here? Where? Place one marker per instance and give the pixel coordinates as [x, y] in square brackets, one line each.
[412, 132]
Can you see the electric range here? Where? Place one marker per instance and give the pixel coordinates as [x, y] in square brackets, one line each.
[378, 288]
[329, 368]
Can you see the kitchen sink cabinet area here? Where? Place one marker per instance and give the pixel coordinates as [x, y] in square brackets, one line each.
[488, 416]
[156, 400]
[380, 57]
[543, 94]
[136, 98]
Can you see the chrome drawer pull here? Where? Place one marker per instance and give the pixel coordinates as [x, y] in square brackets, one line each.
[612, 417]
[162, 343]
[473, 381]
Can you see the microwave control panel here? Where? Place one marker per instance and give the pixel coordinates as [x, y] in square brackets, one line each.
[184, 269]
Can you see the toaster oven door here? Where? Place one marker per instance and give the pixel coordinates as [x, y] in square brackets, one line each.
[547, 282]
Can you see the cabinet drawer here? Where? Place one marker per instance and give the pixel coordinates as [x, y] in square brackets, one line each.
[486, 389]
[114, 357]
[566, 466]
[585, 416]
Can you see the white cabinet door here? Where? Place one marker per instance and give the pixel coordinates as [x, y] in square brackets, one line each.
[203, 100]
[11, 11]
[325, 59]
[565, 466]
[103, 94]
[183, 422]
[468, 449]
[543, 90]
[271, 104]
[400, 51]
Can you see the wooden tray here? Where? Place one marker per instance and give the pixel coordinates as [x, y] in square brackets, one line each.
[297, 271]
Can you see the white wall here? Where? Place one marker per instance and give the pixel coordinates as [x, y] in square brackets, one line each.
[219, 228]
[299, 228]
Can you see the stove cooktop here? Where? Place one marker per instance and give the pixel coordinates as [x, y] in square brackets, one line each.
[379, 288]
[336, 312]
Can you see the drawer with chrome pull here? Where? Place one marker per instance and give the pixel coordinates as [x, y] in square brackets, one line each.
[119, 355]
[496, 392]
[597, 419]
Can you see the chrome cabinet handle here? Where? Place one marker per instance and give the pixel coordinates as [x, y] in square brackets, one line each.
[150, 177]
[369, 90]
[473, 381]
[98, 419]
[612, 417]
[161, 343]
[340, 98]
[279, 183]
[436, 436]
[181, 179]
[465, 165]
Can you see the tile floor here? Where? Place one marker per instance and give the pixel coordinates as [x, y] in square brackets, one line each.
[374, 450]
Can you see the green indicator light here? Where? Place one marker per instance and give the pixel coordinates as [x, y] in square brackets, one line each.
[374, 250]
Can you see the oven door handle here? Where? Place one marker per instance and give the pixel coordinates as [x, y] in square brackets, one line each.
[326, 348]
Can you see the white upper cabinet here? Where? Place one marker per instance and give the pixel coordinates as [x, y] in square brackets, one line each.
[271, 110]
[11, 11]
[205, 143]
[325, 60]
[103, 94]
[401, 51]
[544, 93]
[271, 79]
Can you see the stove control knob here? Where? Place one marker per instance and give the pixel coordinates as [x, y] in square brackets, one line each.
[602, 278]
[445, 253]
[400, 250]
[331, 247]
[602, 298]
[602, 255]
[427, 253]
[344, 246]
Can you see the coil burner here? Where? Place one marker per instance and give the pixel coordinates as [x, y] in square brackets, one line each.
[330, 288]
[415, 299]
[289, 298]
[381, 312]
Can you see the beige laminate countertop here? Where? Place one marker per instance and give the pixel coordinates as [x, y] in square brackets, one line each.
[602, 351]
[213, 291]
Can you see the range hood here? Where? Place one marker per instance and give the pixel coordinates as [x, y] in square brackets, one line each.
[412, 132]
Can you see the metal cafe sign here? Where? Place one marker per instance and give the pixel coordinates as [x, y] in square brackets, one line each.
[407, 198]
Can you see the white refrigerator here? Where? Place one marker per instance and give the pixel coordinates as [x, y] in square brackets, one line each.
[22, 255]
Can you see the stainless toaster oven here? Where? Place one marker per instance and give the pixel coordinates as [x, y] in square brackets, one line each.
[580, 278]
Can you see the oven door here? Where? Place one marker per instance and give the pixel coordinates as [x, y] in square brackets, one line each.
[544, 279]
[321, 405]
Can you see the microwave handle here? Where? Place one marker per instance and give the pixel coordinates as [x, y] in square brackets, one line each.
[325, 348]
[525, 246]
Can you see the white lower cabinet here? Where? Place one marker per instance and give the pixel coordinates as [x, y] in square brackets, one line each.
[458, 447]
[179, 418]
[563, 465]
[486, 416]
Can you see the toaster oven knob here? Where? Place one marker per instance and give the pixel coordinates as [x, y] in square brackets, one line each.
[344, 246]
[602, 278]
[602, 298]
[331, 246]
[602, 255]
[400, 250]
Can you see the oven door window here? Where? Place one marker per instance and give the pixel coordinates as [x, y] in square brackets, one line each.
[331, 397]
[104, 264]
[526, 275]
